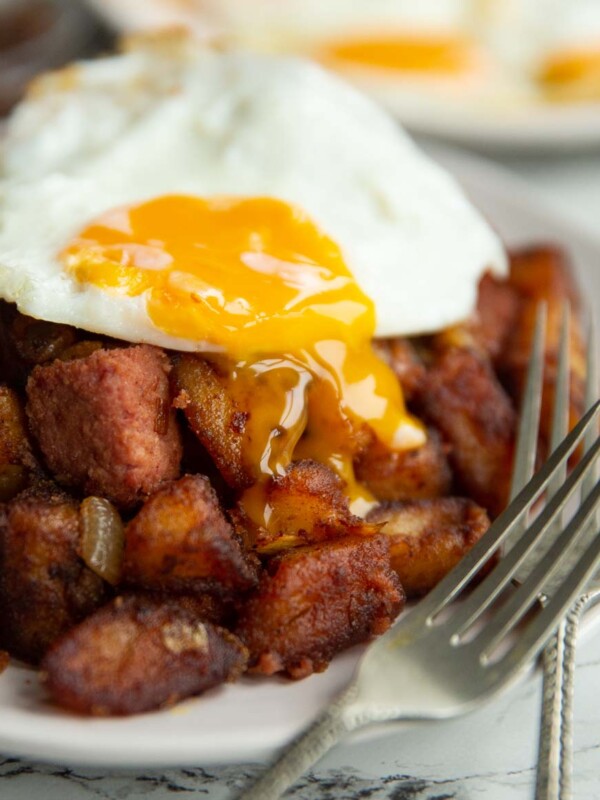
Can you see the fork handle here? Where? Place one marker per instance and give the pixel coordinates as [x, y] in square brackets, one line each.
[555, 759]
[306, 750]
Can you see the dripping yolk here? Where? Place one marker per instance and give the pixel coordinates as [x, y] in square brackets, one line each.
[403, 52]
[256, 286]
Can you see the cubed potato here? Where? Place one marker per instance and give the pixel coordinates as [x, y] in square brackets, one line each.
[213, 416]
[181, 541]
[318, 600]
[45, 587]
[406, 474]
[305, 506]
[138, 654]
[465, 401]
[429, 537]
[544, 274]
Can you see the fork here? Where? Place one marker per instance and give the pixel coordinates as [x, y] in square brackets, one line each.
[554, 768]
[444, 657]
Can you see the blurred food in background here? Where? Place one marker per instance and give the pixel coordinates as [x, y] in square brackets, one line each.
[499, 55]
[37, 35]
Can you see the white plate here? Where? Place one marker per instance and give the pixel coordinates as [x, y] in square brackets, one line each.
[251, 719]
[560, 127]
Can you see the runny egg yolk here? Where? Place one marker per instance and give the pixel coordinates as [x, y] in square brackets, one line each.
[432, 53]
[270, 302]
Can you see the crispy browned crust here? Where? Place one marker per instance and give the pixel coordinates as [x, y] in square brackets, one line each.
[104, 422]
[180, 541]
[545, 274]
[400, 354]
[139, 654]
[25, 342]
[45, 588]
[14, 440]
[317, 601]
[408, 474]
[465, 401]
[213, 416]
[429, 537]
[4, 660]
[498, 306]
[308, 505]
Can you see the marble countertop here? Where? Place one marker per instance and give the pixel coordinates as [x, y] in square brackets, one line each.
[489, 754]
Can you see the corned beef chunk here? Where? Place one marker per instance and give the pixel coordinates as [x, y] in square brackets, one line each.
[104, 423]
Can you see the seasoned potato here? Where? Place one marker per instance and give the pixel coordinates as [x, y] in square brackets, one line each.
[180, 541]
[544, 274]
[429, 537]
[16, 457]
[213, 416]
[306, 505]
[14, 442]
[318, 600]
[139, 654]
[405, 475]
[45, 588]
[498, 305]
[465, 401]
[25, 342]
[406, 364]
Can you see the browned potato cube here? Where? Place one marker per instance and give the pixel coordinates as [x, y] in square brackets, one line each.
[25, 342]
[16, 458]
[14, 441]
[429, 537]
[213, 416]
[406, 364]
[498, 306]
[306, 505]
[180, 541]
[45, 588]
[408, 474]
[545, 274]
[467, 404]
[139, 654]
[318, 600]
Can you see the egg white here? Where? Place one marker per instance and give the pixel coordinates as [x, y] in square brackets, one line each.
[166, 118]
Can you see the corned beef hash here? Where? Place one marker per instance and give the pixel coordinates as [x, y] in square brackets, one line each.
[259, 364]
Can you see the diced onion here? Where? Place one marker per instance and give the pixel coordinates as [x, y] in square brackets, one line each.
[102, 538]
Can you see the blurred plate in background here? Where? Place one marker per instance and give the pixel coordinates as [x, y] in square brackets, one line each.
[497, 105]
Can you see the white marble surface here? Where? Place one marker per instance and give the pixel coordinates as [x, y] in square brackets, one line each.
[489, 754]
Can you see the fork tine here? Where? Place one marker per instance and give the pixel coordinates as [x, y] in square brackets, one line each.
[560, 415]
[526, 594]
[450, 586]
[489, 589]
[591, 393]
[529, 418]
[535, 636]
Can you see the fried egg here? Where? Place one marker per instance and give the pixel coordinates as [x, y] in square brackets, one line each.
[254, 209]
[94, 145]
